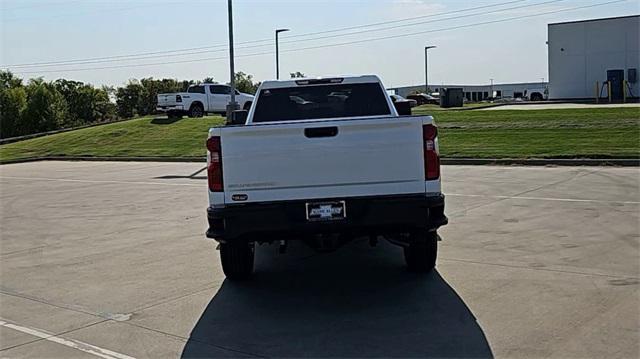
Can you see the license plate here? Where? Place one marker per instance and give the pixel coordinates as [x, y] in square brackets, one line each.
[326, 211]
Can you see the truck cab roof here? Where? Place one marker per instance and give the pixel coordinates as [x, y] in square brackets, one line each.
[348, 79]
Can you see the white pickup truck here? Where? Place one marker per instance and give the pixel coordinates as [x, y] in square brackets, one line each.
[324, 161]
[200, 100]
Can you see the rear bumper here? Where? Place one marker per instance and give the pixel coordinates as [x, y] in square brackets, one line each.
[170, 108]
[287, 220]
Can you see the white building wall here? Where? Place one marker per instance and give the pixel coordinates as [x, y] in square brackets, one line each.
[507, 90]
[580, 53]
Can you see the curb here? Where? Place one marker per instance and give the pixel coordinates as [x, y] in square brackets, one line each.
[482, 107]
[627, 162]
[116, 159]
[624, 162]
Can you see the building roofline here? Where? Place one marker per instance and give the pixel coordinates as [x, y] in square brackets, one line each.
[590, 20]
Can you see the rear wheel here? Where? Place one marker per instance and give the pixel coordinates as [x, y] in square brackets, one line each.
[247, 106]
[237, 259]
[536, 97]
[422, 251]
[196, 110]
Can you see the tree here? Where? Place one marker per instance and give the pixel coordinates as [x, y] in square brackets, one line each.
[107, 109]
[296, 74]
[184, 85]
[46, 108]
[86, 103]
[244, 83]
[209, 80]
[129, 98]
[9, 80]
[149, 95]
[13, 101]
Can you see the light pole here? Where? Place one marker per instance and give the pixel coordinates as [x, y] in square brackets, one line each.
[278, 31]
[233, 105]
[426, 77]
[491, 94]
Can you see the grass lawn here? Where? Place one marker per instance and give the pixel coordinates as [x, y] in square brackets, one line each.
[146, 136]
[562, 133]
[566, 133]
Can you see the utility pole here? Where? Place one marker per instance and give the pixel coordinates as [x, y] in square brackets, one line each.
[278, 31]
[426, 73]
[233, 105]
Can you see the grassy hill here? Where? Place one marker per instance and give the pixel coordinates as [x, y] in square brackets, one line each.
[566, 133]
[146, 136]
[562, 133]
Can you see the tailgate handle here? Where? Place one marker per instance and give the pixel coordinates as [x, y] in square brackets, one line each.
[321, 132]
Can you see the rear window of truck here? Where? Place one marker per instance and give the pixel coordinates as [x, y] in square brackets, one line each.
[196, 89]
[321, 101]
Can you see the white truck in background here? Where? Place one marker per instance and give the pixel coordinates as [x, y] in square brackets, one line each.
[201, 99]
[324, 161]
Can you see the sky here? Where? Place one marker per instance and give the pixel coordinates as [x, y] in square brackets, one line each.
[79, 34]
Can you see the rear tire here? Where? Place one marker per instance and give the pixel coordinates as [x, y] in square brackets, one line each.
[247, 106]
[237, 259]
[196, 110]
[422, 252]
[536, 97]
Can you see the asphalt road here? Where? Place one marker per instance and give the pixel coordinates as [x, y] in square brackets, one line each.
[109, 259]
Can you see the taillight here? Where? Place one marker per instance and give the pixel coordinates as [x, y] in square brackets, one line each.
[431, 156]
[214, 168]
[178, 98]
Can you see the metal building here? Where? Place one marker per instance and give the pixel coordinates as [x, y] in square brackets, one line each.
[472, 93]
[584, 56]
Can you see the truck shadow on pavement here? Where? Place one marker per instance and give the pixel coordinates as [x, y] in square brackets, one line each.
[193, 175]
[164, 120]
[356, 302]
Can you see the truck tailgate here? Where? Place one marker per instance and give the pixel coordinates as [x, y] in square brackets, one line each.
[320, 160]
[166, 100]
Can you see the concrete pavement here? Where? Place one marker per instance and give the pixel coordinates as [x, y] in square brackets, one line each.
[109, 259]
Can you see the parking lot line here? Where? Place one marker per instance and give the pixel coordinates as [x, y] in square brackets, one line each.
[74, 344]
[541, 198]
